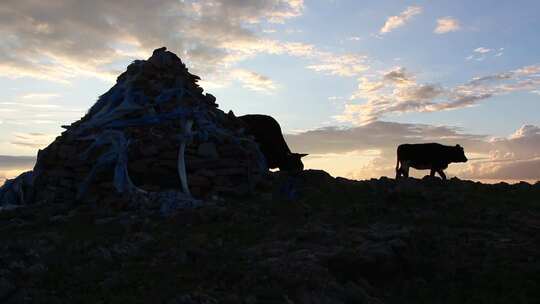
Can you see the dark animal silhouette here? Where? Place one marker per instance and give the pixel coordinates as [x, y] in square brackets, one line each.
[435, 157]
[267, 133]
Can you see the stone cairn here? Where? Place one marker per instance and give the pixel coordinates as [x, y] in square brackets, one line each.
[154, 135]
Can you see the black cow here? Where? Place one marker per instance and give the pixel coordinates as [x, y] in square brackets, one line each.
[435, 157]
[267, 133]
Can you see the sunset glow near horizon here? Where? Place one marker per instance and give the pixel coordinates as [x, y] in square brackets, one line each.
[347, 80]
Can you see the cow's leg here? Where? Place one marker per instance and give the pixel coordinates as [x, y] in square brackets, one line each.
[398, 170]
[441, 173]
[432, 173]
[405, 168]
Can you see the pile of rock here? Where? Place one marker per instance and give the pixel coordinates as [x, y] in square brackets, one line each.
[154, 132]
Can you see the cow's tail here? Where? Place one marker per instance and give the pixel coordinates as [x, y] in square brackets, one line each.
[397, 166]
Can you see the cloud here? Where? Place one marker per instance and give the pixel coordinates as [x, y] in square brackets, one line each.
[482, 50]
[397, 92]
[29, 105]
[398, 76]
[64, 39]
[340, 65]
[492, 77]
[254, 81]
[37, 108]
[482, 53]
[13, 162]
[514, 157]
[39, 96]
[347, 64]
[380, 135]
[366, 87]
[32, 140]
[446, 25]
[528, 70]
[369, 150]
[394, 22]
[510, 170]
[12, 166]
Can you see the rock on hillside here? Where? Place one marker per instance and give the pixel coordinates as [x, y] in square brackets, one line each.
[311, 238]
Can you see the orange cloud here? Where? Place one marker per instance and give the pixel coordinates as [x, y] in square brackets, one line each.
[394, 22]
[447, 25]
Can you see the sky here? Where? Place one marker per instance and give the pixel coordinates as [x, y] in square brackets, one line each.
[347, 80]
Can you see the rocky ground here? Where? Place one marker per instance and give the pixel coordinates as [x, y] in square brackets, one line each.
[310, 239]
